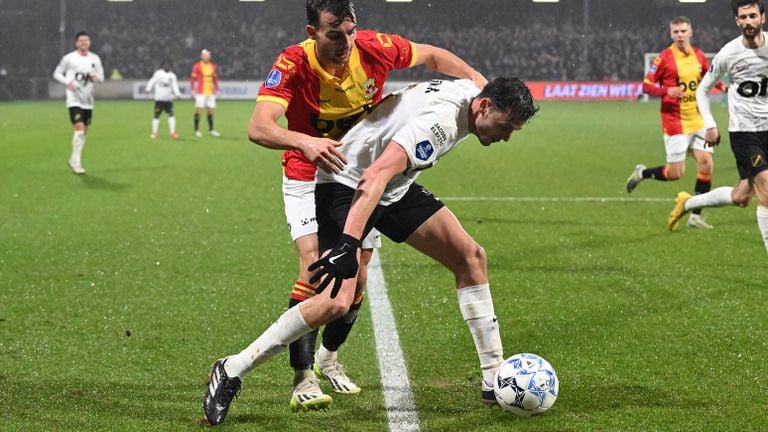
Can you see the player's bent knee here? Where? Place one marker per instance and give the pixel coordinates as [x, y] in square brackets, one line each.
[741, 200]
[473, 262]
[336, 309]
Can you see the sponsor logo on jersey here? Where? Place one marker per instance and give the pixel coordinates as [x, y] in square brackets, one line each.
[274, 78]
[712, 67]
[424, 150]
[652, 69]
[439, 133]
[753, 89]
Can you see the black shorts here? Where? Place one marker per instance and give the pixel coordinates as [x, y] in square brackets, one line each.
[80, 115]
[750, 150]
[396, 221]
[161, 106]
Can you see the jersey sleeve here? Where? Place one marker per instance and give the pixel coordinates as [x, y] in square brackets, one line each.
[280, 84]
[175, 85]
[654, 75]
[60, 73]
[394, 51]
[151, 82]
[716, 70]
[427, 137]
[193, 77]
[98, 69]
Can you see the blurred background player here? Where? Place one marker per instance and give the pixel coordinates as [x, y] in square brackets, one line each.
[166, 88]
[345, 69]
[674, 76]
[744, 61]
[78, 70]
[204, 87]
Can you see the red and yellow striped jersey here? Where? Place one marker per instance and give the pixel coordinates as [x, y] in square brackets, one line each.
[204, 78]
[675, 68]
[322, 105]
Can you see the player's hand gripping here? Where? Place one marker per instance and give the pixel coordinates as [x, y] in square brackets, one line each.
[323, 152]
[339, 264]
[712, 137]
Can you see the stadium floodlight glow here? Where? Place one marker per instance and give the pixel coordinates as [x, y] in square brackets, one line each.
[546, 1]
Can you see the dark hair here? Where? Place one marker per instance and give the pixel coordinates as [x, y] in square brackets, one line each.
[510, 92]
[736, 4]
[81, 33]
[341, 9]
[166, 62]
[680, 20]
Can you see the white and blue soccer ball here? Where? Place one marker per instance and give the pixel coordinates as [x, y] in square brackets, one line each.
[526, 385]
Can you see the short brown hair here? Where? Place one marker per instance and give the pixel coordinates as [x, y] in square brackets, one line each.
[680, 20]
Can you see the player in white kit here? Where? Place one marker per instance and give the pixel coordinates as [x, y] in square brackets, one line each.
[166, 87]
[78, 70]
[744, 61]
[405, 134]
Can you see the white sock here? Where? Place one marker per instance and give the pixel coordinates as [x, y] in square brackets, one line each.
[171, 124]
[78, 142]
[155, 124]
[717, 197]
[289, 327]
[762, 223]
[477, 309]
[325, 356]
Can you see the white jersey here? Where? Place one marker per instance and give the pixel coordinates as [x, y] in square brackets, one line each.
[165, 84]
[747, 72]
[79, 69]
[427, 120]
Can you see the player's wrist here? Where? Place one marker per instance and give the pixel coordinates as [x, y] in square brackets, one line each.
[347, 239]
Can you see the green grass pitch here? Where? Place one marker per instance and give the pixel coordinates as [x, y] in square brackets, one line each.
[119, 288]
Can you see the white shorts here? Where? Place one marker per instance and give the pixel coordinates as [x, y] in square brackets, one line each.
[679, 145]
[205, 101]
[299, 200]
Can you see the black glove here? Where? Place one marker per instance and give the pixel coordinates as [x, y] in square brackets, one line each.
[339, 264]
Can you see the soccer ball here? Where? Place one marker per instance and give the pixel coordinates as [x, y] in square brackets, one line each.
[526, 385]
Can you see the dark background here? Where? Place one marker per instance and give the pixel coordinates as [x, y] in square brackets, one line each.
[570, 40]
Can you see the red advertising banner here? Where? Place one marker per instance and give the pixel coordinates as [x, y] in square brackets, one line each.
[589, 90]
[586, 90]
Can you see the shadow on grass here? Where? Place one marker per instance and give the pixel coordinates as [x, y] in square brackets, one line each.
[166, 403]
[101, 183]
[610, 397]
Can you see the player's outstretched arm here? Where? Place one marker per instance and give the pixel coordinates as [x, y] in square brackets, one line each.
[448, 63]
[264, 130]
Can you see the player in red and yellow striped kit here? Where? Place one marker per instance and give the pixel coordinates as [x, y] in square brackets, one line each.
[204, 86]
[674, 76]
[323, 86]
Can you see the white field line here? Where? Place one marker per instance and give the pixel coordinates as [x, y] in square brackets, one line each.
[670, 200]
[398, 397]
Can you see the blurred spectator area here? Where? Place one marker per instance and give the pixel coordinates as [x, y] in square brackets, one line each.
[570, 40]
